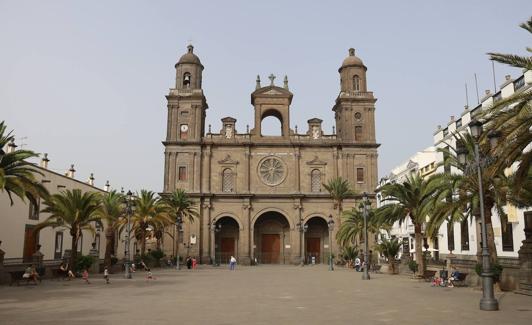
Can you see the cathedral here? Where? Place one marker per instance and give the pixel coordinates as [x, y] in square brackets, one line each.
[261, 198]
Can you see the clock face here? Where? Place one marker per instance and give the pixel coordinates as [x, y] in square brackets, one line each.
[184, 128]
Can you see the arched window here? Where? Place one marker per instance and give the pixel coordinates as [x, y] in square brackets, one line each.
[315, 180]
[356, 83]
[186, 80]
[227, 181]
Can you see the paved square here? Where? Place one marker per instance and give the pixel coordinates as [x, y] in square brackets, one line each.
[254, 295]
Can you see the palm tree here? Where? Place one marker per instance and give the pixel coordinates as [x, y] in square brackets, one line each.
[111, 210]
[411, 199]
[389, 248]
[16, 175]
[352, 226]
[149, 212]
[180, 207]
[512, 118]
[73, 210]
[459, 198]
[339, 189]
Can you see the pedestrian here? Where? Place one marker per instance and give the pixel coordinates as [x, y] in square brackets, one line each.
[106, 275]
[194, 263]
[357, 264]
[189, 262]
[232, 263]
[149, 275]
[85, 276]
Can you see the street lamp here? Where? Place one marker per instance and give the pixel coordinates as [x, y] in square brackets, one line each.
[129, 212]
[215, 228]
[178, 223]
[365, 275]
[488, 301]
[303, 227]
[330, 224]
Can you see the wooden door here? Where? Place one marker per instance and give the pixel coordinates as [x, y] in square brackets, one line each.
[227, 248]
[30, 243]
[313, 249]
[271, 248]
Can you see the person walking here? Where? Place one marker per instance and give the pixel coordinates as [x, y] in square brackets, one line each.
[194, 263]
[357, 264]
[85, 276]
[106, 275]
[232, 263]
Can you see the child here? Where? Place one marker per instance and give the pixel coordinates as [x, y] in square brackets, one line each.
[149, 276]
[85, 276]
[194, 263]
[106, 275]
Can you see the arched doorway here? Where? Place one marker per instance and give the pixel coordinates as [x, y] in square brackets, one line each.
[226, 240]
[272, 238]
[317, 241]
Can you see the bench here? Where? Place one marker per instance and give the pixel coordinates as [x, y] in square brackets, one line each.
[17, 276]
[428, 275]
[460, 281]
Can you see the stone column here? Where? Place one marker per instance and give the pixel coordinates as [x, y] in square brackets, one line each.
[297, 158]
[244, 247]
[206, 232]
[525, 258]
[247, 168]
[301, 241]
[335, 162]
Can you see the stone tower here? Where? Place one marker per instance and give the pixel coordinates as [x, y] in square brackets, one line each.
[355, 106]
[186, 125]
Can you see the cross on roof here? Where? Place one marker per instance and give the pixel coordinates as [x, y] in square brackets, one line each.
[271, 77]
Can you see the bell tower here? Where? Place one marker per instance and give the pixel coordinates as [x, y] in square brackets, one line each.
[355, 105]
[187, 107]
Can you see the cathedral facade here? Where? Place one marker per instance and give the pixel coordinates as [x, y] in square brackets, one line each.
[261, 198]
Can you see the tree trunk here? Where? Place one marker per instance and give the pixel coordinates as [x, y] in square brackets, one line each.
[419, 249]
[109, 245]
[142, 242]
[74, 248]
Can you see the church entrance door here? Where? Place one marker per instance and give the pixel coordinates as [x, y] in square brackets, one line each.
[227, 249]
[271, 248]
[313, 249]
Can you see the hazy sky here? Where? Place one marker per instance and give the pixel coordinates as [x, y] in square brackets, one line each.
[85, 81]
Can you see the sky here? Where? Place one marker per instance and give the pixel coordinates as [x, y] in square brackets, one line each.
[85, 81]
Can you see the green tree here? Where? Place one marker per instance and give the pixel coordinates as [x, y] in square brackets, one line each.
[112, 211]
[17, 177]
[458, 197]
[411, 199]
[512, 117]
[389, 248]
[180, 206]
[149, 212]
[73, 210]
[339, 190]
[352, 226]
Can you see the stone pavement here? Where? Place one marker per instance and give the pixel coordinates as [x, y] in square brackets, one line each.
[254, 295]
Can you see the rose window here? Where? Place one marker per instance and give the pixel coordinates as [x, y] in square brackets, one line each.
[272, 171]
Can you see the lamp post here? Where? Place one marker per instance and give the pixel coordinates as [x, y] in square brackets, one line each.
[488, 301]
[129, 211]
[330, 224]
[178, 223]
[215, 228]
[365, 275]
[303, 227]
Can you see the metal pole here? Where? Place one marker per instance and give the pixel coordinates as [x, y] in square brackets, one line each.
[365, 275]
[301, 243]
[331, 267]
[177, 267]
[488, 301]
[127, 273]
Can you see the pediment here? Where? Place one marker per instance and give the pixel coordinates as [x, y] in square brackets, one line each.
[228, 161]
[411, 165]
[316, 161]
[272, 91]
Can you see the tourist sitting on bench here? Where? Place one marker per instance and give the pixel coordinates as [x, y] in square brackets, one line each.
[455, 275]
[30, 274]
[65, 271]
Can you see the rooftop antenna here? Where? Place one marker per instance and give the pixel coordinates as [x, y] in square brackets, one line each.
[476, 86]
[466, 96]
[21, 142]
[493, 72]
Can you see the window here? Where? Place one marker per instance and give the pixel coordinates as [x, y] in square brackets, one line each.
[315, 181]
[360, 175]
[450, 236]
[186, 80]
[446, 163]
[508, 238]
[458, 123]
[358, 133]
[227, 181]
[182, 173]
[356, 83]
[58, 245]
[34, 210]
[464, 235]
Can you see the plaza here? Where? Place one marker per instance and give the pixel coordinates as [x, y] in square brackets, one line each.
[261, 294]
